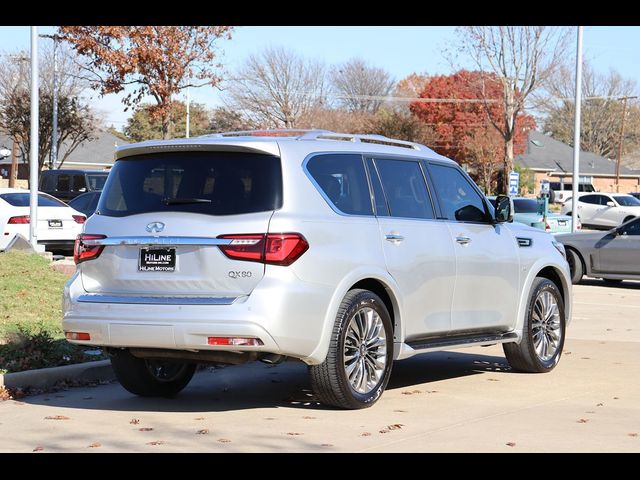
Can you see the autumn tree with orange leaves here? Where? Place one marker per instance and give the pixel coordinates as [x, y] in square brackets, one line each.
[460, 106]
[159, 60]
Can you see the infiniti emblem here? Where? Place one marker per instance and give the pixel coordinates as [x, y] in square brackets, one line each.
[155, 227]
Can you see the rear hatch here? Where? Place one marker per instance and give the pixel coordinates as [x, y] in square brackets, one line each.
[165, 212]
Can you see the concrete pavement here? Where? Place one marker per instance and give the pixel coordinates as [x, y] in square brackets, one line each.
[464, 400]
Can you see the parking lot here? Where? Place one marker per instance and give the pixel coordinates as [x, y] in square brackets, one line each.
[464, 400]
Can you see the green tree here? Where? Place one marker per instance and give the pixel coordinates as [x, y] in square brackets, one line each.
[144, 125]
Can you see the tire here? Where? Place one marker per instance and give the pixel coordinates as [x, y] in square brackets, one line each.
[137, 375]
[575, 265]
[523, 356]
[552, 196]
[329, 380]
[612, 282]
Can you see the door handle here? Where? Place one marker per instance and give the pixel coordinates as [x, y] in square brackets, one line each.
[393, 238]
[463, 240]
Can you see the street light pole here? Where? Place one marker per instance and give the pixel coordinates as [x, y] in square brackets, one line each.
[53, 162]
[188, 102]
[620, 142]
[576, 135]
[33, 136]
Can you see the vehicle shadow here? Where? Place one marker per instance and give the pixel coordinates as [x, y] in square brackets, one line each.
[626, 284]
[257, 385]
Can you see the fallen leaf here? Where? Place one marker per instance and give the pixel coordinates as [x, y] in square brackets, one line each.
[38, 449]
[567, 353]
[616, 398]
[492, 380]
[294, 433]
[224, 440]
[306, 417]
[632, 434]
[204, 431]
[326, 445]
[582, 420]
[134, 421]
[510, 444]
[155, 442]
[395, 426]
[400, 411]
[269, 418]
[145, 429]
[365, 434]
[95, 445]
[383, 431]
[57, 417]
[600, 405]
[609, 329]
[199, 418]
[585, 358]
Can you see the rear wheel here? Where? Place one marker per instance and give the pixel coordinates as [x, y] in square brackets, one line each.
[543, 332]
[151, 378]
[575, 266]
[358, 364]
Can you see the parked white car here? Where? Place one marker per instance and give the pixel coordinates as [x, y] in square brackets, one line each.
[347, 252]
[604, 210]
[58, 223]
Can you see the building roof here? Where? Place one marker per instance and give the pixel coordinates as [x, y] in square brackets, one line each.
[94, 155]
[547, 154]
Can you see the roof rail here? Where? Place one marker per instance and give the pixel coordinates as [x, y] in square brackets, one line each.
[318, 134]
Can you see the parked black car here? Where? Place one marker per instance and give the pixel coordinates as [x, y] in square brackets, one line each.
[86, 203]
[68, 184]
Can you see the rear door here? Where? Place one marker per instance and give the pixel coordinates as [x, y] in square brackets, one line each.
[417, 247]
[165, 212]
[621, 253]
[487, 258]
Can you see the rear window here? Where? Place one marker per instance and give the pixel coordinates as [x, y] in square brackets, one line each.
[627, 200]
[524, 205]
[22, 200]
[210, 183]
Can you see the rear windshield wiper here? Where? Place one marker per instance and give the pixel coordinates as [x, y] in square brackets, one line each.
[185, 201]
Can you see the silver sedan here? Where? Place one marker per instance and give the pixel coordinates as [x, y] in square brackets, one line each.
[613, 255]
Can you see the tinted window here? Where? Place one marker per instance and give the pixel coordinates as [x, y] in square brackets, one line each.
[458, 199]
[586, 188]
[79, 184]
[627, 201]
[592, 199]
[405, 189]
[524, 205]
[211, 183]
[554, 185]
[64, 183]
[96, 181]
[381, 204]
[632, 228]
[81, 202]
[343, 180]
[48, 183]
[22, 200]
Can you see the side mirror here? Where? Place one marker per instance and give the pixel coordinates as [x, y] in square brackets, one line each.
[611, 204]
[504, 209]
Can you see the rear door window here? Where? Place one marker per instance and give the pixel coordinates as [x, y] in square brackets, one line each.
[405, 188]
[343, 181]
[210, 183]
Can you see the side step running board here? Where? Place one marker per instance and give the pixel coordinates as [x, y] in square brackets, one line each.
[409, 349]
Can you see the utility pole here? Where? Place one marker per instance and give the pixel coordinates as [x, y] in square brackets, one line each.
[576, 134]
[621, 141]
[53, 161]
[33, 136]
[13, 172]
[188, 102]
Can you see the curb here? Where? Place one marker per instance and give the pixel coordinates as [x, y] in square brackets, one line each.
[47, 377]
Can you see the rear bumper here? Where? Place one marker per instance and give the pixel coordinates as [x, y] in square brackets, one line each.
[286, 314]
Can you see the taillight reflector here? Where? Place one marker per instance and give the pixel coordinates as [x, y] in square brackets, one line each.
[79, 218]
[77, 336]
[273, 248]
[235, 341]
[83, 252]
[21, 220]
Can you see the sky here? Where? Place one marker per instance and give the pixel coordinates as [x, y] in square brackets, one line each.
[399, 50]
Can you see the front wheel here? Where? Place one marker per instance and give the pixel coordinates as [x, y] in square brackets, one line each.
[358, 364]
[151, 378]
[543, 332]
[575, 266]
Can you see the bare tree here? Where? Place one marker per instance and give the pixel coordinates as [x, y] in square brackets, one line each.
[361, 87]
[523, 58]
[601, 110]
[276, 87]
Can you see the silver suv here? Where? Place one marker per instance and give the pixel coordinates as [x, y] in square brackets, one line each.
[347, 252]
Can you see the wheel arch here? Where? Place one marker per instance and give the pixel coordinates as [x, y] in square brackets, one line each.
[580, 256]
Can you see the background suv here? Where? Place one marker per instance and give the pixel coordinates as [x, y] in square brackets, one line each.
[68, 184]
[347, 252]
[604, 210]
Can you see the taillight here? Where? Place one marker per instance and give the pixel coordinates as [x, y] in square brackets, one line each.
[21, 220]
[547, 227]
[79, 218]
[272, 248]
[83, 252]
